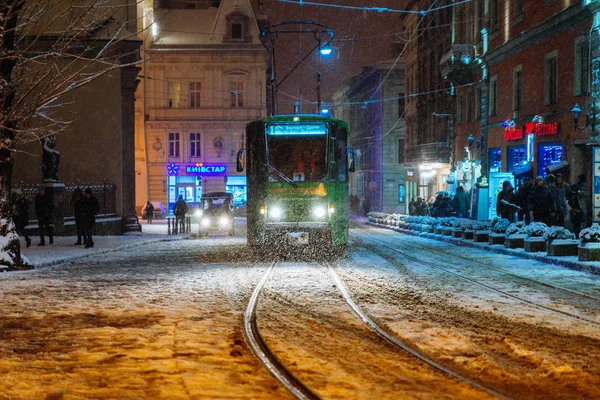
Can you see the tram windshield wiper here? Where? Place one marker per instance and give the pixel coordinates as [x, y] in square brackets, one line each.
[281, 175]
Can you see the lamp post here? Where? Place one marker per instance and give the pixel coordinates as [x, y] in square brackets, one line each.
[318, 31]
[590, 120]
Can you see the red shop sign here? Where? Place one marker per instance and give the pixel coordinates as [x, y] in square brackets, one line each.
[530, 127]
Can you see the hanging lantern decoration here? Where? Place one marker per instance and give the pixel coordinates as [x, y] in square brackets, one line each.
[509, 124]
[538, 119]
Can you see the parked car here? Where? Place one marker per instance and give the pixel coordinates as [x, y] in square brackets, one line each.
[215, 212]
[160, 212]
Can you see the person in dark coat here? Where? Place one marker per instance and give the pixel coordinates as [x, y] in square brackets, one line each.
[576, 213]
[504, 210]
[460, 203]
[90, 209]
[21, 214]
[149, 211]
[180, 210]
[43, 212]
[561, 193]
[521, 198]
[421, 207]
[541, 205]
[77, 200]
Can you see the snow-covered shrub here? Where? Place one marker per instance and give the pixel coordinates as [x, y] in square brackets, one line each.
[515, 228]
[499, 225]
[557, 232]
[463, 224]
[536, 229]
[591, 234]
[481, 225]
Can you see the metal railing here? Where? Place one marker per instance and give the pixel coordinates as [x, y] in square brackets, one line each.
[175, 226]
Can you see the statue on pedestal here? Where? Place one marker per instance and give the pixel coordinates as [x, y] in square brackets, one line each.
[50, 159]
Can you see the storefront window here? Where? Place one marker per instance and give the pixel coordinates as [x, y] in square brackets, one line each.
[517, 157]
[189, 187]
[548, 154]
[495, 160]
[236, 185]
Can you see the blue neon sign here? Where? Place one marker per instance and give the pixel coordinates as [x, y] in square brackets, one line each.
[300, 129]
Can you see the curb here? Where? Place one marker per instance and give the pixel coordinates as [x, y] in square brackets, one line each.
[100, 252]
[583, 266]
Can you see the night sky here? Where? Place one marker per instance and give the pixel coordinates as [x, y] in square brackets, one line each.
[361, 38]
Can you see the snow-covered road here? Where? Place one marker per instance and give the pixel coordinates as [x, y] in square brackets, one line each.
[164, 320]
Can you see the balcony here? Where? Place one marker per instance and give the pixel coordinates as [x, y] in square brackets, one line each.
[428, 153]
[456, 64]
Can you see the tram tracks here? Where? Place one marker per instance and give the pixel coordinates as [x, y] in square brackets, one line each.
[476, 282]
[292, 383]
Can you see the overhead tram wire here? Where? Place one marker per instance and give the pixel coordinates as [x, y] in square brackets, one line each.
[375, 9]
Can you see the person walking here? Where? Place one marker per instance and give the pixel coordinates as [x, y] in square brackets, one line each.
[561, 193]
[21, 214]
[541, 205]
[43, 212]
[576, 213]
[460, 203]
[90, 208]
[77, 200]
[521, 199]
[504, 210]
[180, 210]
[149, 211]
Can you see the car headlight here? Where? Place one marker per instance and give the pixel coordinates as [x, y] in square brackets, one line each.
[223, 221]
[205, 221]
[319, 211]
[275, 212]
[198, 213]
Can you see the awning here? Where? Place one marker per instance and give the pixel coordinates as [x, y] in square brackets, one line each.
[557, 166]
[523, 170]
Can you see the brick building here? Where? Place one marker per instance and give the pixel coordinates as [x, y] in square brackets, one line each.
[519, 68]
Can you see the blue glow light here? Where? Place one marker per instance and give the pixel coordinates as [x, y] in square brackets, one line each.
[325, 50]
[299, 129]
[172, 169]
[205, 169]
[324, 111]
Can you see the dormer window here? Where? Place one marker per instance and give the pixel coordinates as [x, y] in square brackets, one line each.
[237, 27]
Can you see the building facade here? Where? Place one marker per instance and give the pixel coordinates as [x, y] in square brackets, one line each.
[519, 70]
[373, 104]
[429, 105]
[203, 81]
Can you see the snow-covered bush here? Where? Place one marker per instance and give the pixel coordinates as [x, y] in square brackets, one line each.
[515, 228]
[557, 232]
[536, 229]
[463, 224]
[481, 225]
[591, 234]
[499, 225]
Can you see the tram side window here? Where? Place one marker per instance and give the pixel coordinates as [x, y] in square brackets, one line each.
[341, 154]
[333, 165]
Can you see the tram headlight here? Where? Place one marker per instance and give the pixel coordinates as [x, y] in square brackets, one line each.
[223, 221]
[319, 211]
[275, 212]
[198, 213]
[205, 222]
[331, 209]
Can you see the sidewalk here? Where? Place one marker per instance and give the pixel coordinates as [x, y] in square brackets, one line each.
[63, 248]
[572, 262]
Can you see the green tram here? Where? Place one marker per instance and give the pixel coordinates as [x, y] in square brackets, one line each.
[297, 174]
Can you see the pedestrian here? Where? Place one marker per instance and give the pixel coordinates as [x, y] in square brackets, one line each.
[90, 209]
[21, 214]
[180, 210]
[43, 212]
[576, 213]
[505, 210]
[77, 200]
[561, 193]
[460, 203]
[366, 206]
[421, 207]
[541, 205]
[522, 197]
[149, 211]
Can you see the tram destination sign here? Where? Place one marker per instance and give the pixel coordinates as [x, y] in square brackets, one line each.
[296, 129]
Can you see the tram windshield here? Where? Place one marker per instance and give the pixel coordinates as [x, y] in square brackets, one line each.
[299, 152]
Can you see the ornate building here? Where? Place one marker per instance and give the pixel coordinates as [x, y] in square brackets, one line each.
[203, 81]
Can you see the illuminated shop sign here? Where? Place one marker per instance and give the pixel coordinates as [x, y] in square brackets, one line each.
[537, 129]
[197, 169]
[305, 128]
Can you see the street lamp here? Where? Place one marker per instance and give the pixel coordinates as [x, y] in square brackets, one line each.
[589, 120]
[325, 50]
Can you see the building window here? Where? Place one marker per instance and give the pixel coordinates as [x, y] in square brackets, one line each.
[493, 95]
[401, 103]
[469, 105]
[174, 94]
[494, 18]
[459, 110]
[237, 143]
[236, 31]
[548, 154]
[550, 78]
[195, 94]
[400, 151]
[174, 144]
[237, 94]
[517, 157]
[519, 7]
[195, 145]
[237, 23]
[479, 17]
[478, 103]
[517, 88]
[582, 67]
[495, 159]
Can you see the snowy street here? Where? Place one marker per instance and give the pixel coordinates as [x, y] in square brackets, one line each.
[165, 319]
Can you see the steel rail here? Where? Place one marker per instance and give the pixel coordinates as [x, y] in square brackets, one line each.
[260, 348]
[398, 343]
[475, 282]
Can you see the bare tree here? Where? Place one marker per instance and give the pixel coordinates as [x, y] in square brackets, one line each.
[48, 50]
